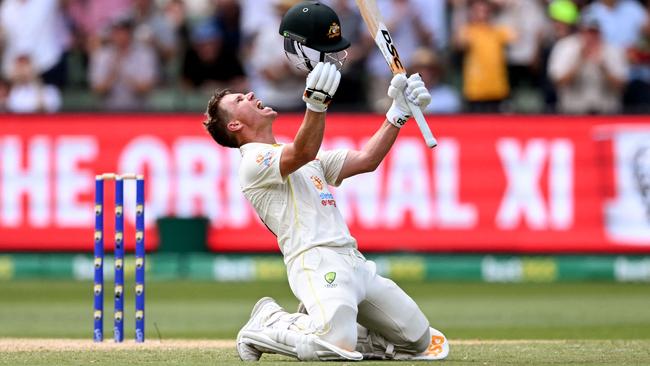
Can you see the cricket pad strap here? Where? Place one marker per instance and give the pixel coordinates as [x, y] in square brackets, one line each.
[373, 346]
[305, 347]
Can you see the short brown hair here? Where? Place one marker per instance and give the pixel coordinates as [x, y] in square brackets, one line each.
[216, 120]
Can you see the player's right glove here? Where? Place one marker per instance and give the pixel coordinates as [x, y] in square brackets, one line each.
[322, 83]
[415, 91]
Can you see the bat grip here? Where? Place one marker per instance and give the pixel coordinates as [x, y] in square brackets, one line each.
[422, 124]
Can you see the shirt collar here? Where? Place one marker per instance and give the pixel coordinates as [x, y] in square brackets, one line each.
[254, 146]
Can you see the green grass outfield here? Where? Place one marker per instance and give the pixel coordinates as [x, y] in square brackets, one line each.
[534, 324]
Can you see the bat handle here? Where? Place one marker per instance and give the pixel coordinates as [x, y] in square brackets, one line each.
[422, 124]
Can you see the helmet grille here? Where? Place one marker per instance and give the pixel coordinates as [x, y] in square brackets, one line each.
[305, 58]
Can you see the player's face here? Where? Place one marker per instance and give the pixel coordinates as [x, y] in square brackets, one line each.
[248, 109]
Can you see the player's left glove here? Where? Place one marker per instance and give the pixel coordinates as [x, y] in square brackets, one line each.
[402, 89]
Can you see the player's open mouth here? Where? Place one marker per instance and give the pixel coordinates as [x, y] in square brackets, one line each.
[260, 105]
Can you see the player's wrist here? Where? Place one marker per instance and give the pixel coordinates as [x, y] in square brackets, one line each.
[316, 100]
[396, 116]
[399, 112]
[316, 108]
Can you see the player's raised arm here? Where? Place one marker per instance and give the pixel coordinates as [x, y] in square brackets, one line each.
[375, 150]
[321, 85]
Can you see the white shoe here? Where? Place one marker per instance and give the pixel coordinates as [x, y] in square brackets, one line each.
[260, 313]
[438, 348]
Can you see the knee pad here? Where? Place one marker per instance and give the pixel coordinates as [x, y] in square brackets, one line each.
[341, 328]
[304, 347]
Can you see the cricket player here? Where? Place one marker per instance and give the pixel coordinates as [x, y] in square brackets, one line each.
[350, 312]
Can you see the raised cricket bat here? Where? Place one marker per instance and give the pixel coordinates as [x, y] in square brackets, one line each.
[378, 30]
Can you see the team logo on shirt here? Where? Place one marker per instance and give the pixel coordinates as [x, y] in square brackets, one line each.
[264, 159]
[317, 182]
[329, 278]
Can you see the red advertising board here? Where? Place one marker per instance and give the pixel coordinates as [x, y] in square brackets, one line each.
[494, 183]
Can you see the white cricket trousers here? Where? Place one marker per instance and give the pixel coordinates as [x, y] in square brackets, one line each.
[339, 288]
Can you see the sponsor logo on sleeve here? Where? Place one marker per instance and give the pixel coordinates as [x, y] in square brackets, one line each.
[326, 198]
[264, 159]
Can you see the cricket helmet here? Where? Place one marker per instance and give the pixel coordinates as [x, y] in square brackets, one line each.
[312, 34]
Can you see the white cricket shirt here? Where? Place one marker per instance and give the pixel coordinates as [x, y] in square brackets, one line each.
[299, 210]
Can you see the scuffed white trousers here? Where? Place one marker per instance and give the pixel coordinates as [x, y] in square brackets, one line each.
[340, 288]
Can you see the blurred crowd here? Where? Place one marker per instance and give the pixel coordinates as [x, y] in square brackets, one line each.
[485, 56]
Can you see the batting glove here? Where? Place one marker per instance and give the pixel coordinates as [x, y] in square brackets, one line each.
[402, 91]
[322, 83]
[417, 93]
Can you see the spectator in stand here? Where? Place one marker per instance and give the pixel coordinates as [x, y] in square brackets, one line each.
[124, 71]
[459, 13]
[528, 20]
[35, 28]
[93, 18]
[457, 16]
[208, 64]
[198, 9]
[175, 12]
[273, 78]
[28, 94]
[485, 77]
[637, 93]
[589, 73]
[255, 16]
[408, 30]
[625, 23]
[227, 21]
[4, 94]
[151, 26]
[622, 22]
[444, 98]
[433, 15]
[564, 15]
